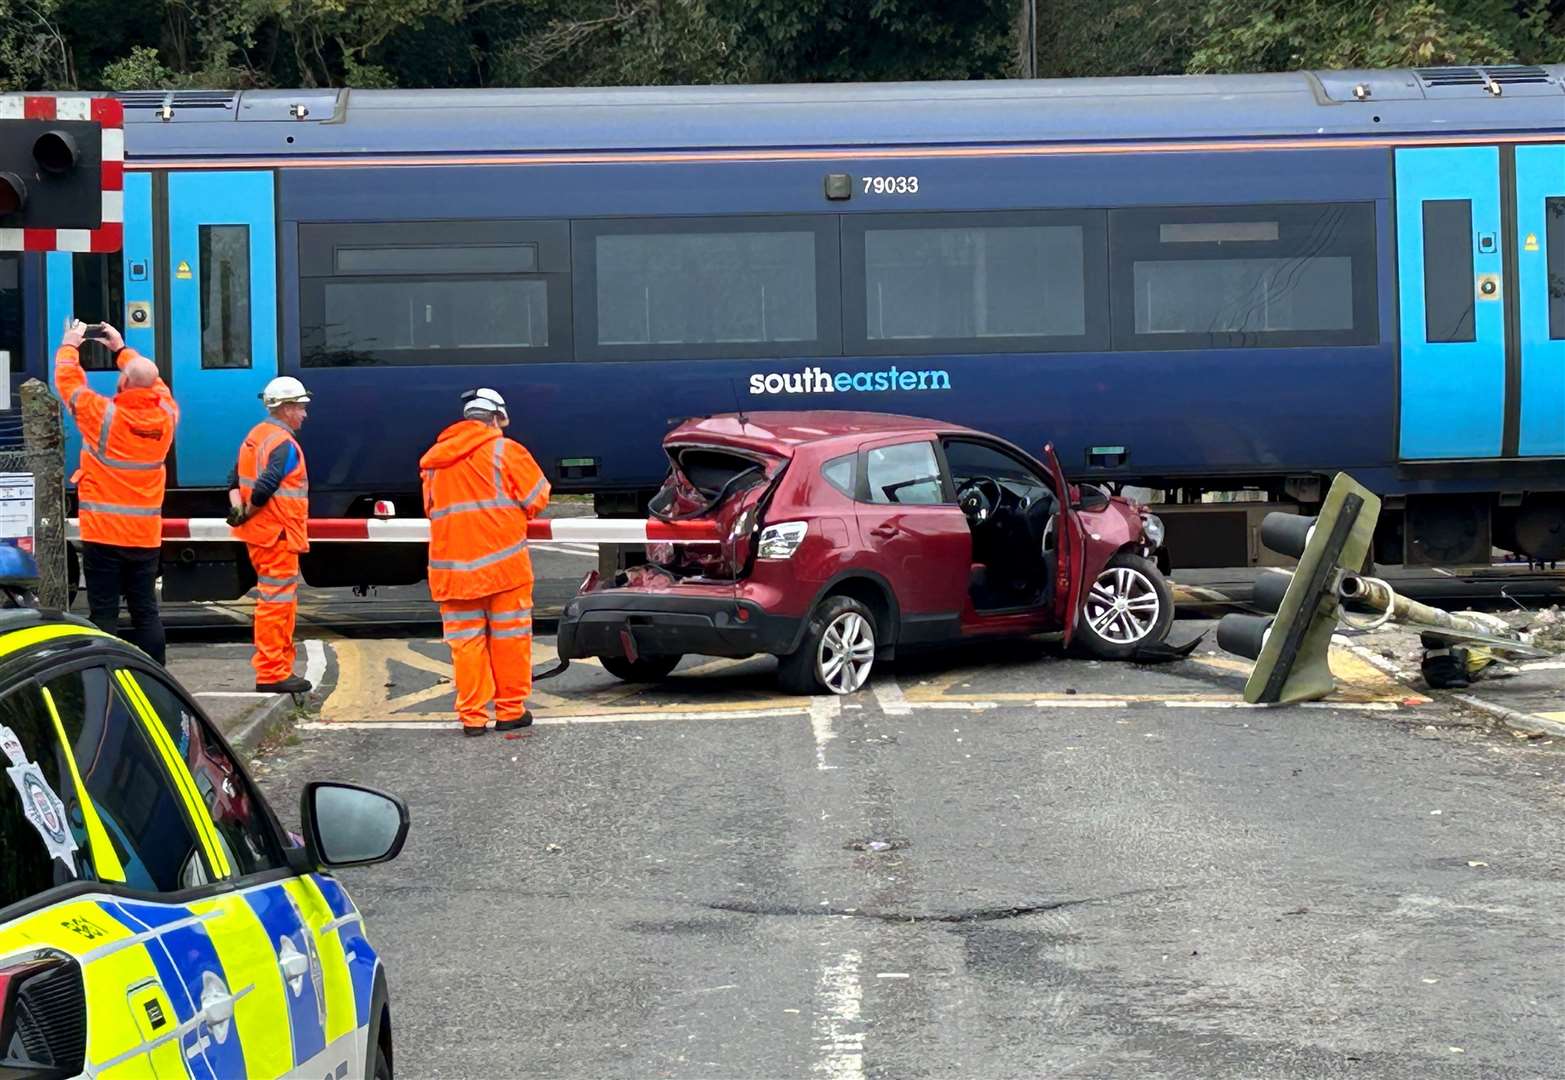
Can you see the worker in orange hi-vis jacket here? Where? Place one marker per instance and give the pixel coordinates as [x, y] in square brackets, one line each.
[480, 491]
[119, 484]
[269, 493]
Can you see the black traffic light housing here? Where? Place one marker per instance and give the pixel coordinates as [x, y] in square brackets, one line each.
[51, 174]
[1290, 649]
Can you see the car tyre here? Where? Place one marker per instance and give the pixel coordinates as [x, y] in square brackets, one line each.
[1128, 606]
[643, 669]
[382, 1064]
[837, 653]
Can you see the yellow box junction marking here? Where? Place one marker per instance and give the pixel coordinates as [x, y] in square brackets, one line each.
[364, 669]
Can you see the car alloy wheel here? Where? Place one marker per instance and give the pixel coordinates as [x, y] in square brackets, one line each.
[846, 653]
[1123, 606]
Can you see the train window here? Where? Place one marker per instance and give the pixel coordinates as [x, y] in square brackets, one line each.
[482, 259]
[408, 315]
[974, 282]
[459, 292]
[11, 308]
[680, 288]
[99, 296]
[1448, 271]
[1244, 276]
[1554, 244]
[224, 255]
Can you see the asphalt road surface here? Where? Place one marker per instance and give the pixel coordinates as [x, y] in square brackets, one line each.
[906, 886]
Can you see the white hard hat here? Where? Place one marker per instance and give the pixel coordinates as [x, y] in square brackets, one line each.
[285, 390]
[484, 400]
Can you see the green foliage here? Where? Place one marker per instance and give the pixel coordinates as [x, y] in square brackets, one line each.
[1279, 35]
[139, 44]
[34, 49]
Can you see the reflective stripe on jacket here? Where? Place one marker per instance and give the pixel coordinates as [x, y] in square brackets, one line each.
[480, 490]
[124, 443]
[287, 512]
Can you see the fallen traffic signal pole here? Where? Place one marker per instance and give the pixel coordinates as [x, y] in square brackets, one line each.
[1290, 648]
[416, 530]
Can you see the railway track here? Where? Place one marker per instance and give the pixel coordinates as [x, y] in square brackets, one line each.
[408, 611]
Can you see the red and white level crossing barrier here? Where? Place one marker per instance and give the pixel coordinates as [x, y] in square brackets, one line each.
[416, 530]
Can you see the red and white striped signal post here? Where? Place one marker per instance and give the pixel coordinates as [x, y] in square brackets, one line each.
[62, 173]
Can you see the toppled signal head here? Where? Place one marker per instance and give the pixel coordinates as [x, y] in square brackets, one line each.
[1290, 649]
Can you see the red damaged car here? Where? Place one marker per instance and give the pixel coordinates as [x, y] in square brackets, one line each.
[848, 535]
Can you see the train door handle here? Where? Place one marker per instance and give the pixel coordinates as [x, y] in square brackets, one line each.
[885, 532]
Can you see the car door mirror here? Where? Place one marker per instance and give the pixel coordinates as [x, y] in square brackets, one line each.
[1091, 498]
[348, 825]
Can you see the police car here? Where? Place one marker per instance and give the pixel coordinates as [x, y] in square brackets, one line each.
[155, 919]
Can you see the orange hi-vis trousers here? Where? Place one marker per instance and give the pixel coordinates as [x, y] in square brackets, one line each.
[491, 641]
[277, 579]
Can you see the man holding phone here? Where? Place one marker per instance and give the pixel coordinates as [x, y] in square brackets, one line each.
[119, 484]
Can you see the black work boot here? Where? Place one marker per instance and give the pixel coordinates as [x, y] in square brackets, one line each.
[525, 720]
[472, 731]
[293, 684]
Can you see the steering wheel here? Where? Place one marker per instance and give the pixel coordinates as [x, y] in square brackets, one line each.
[979, 498]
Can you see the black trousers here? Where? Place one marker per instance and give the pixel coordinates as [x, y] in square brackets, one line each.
[113, 572]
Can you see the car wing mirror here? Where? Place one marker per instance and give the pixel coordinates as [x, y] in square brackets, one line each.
[349, 825]
[1089, 497]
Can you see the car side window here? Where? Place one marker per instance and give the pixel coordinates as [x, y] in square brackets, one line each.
[242, 826]
[133, 791]
[906, 474]
[39, 849]
[969, 460]
[839, 474]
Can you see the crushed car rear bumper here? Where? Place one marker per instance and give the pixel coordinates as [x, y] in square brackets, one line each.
[619, 622]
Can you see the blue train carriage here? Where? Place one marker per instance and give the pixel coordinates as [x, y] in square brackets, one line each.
[1190, 284]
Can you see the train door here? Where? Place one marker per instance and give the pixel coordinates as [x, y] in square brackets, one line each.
[1481, 248]
[1450, 247]
[114, 288]
[222, 290]
[1540, 286]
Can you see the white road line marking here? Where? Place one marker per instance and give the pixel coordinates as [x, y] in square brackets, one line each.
[315, 661]
[553, 721]
[1352, 706]
[823, 710]
[1542, 665]
[1211, 705]
[232, 694]
[1084, 703]
[889, 695]
[839, 998]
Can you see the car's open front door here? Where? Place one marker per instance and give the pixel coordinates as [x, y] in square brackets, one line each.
[1070, 548]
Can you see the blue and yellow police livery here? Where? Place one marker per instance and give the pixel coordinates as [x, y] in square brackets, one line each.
[155, 920]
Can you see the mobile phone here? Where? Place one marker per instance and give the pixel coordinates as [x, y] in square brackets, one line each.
[97, 332]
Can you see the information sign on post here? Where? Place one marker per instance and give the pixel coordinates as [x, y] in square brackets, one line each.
[16, 510]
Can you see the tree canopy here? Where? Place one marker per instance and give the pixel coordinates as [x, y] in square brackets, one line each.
[151, 44]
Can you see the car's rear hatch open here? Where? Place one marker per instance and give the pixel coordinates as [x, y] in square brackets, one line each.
[721, 483]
